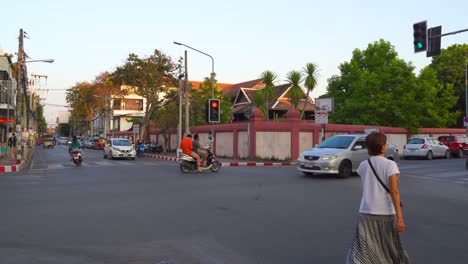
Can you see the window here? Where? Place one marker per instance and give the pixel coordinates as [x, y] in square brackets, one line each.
[134, 104]
[117, 104]
[361, 143]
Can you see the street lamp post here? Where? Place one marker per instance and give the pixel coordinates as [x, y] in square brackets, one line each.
[212, 76]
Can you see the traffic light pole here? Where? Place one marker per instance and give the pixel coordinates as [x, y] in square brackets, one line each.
[450, 33]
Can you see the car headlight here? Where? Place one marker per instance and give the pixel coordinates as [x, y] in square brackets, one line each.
[329, 157]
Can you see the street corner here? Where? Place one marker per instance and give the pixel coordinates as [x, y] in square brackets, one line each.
[257, 164]
[161, 157]
[16, 167]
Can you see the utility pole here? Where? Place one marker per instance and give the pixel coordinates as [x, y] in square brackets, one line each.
[19, 78]
[187, 99]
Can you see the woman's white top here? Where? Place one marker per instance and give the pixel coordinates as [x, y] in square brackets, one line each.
[375, 199]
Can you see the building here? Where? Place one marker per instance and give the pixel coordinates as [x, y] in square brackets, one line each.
[241, 95]
[8, 86]
[63, 117]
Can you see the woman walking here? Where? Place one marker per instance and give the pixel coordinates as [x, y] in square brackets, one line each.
[380, 222]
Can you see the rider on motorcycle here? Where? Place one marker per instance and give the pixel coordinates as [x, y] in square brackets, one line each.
[186, 146]
[75, 146]
[197, 148]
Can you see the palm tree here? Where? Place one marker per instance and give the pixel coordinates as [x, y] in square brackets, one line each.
[295, 94]
[310, 82]
[268, 78]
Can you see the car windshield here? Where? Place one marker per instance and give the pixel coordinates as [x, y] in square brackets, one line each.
[341, 142]
[416, 141]
[121, 142]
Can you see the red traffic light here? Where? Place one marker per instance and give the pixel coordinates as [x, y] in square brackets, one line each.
[214, 104]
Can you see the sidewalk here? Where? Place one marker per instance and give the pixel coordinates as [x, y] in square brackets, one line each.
[8, 165]
[227, 162]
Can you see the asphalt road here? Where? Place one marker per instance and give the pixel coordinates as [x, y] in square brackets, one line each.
[146, 211]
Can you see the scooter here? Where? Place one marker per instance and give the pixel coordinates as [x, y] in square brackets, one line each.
[77, 158]
[188, 163]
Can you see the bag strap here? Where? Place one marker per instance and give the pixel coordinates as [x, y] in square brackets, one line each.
[378, 178]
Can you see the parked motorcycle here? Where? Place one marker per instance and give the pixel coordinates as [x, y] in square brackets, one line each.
[77, 157]
[188, 163]
[155, 148]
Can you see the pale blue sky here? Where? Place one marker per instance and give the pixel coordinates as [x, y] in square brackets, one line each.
[245, 37]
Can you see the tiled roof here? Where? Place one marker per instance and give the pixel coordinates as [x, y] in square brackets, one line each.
[231, 89]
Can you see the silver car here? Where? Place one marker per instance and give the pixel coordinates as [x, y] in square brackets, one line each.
[340, 154]
[425, 147]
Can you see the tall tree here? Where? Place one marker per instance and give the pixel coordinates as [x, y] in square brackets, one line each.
[450, 68]
[198, 99]
[41, 121]
[151, 77]
[163, 117]
[311, 72]
[268, 91]
[296, 93]
[378, 88]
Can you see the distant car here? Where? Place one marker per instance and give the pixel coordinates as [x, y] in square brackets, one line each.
[119, 148]
[425, 147]
[458, 145]
[88, 143]
[62, 141]
[340, 154]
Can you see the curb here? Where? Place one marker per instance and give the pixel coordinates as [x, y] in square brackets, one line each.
[230, 164]
[12, 168]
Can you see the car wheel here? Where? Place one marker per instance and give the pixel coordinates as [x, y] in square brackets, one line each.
[307, 173]
[429, 155]
[345, 169]
[447, 154]
[460, 153]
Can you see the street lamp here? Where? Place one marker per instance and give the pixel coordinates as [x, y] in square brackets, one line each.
[212, 75]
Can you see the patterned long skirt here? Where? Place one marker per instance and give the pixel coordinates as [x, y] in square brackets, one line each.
[376, 241]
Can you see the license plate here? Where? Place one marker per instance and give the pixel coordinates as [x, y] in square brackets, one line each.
[308, 165]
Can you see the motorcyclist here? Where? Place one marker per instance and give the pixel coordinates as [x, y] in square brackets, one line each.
[141, 147]
[197, 148]
[75, 146]
[186, 146]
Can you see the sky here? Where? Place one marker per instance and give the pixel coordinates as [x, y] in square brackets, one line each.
[245, 38]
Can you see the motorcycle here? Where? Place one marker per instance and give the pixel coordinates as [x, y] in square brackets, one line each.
[188, 163]
[155, 148]
[77, 158]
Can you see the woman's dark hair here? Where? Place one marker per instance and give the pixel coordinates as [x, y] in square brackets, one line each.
[195, 137]
[375, 142]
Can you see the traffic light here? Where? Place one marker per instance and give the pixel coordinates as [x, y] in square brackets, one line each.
[433, 41]
[214, 113]
[420, 38]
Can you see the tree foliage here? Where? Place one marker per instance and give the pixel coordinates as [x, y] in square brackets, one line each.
[198, 102]
[311, 78]
[151, 76]
[449, 67]
[295, 94]
[41, 121]
[377, 88]
[268, 91]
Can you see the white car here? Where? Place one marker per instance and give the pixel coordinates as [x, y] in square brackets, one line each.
[119, 148]
[425, 147]
[340, 154]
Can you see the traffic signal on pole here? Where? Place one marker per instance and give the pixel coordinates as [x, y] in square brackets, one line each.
[214, 113]
[420, 36]
[433, 41]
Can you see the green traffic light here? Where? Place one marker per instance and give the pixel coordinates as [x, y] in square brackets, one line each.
[419, 45]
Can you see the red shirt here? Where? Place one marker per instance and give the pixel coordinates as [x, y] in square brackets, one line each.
[186, 145]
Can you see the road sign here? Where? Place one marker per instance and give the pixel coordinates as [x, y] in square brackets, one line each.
[321, 116]
[248, 112]
[136, 128]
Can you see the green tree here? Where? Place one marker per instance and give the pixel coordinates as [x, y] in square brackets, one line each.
[163, 117]
[450, 67]
[268, 91]
[151, 77]
[258, 101]
[198, 102]
[377, 88]
[64, 129]
[295, 94]
[311, 72]
[41, 121]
